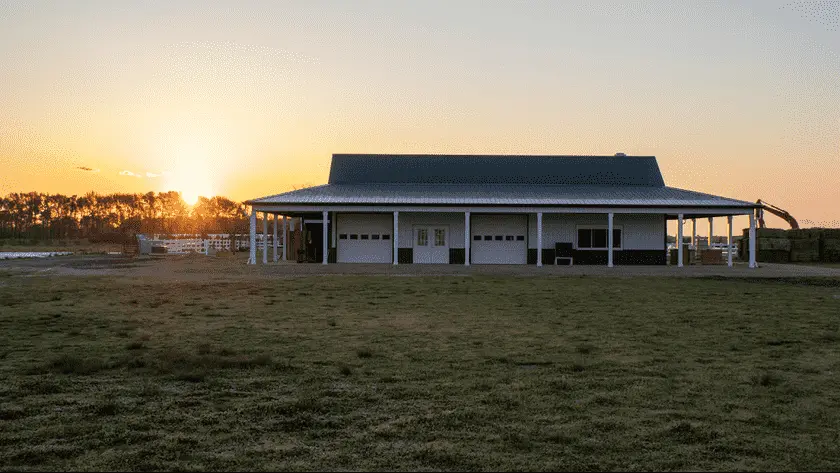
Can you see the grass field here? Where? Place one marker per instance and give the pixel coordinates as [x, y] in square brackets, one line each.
[77, 246]
[419, 373]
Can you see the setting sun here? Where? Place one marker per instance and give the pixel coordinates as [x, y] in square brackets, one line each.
[191, 184]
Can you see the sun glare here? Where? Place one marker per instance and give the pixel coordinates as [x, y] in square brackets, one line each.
[191, 170]
[191, 186]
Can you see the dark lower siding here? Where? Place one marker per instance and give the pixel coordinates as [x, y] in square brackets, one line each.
[547, 256]
[643, 257]
[332, 256]
[405, 255]
[457, 256]
[623, 257]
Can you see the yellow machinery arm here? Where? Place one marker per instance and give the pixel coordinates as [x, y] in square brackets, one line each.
[775, 211]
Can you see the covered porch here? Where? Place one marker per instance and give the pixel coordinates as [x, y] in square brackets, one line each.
[466, 234]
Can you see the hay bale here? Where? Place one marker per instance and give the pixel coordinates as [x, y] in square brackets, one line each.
[773, 256]
[773, 244]
[711, 257]
[770, 233]
[804, 256]
[805, 245]
[830, 251]
[831, 233]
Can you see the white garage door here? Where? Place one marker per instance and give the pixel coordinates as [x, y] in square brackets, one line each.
[499, 239]
[364, 238]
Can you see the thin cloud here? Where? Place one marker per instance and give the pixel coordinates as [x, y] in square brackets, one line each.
[85, 168]
[151, 174]
[129, 173]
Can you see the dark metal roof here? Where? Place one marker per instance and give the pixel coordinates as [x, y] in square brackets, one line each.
[499, 194]
[490, 169]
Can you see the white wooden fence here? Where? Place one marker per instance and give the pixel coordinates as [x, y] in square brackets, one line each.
[215, 242]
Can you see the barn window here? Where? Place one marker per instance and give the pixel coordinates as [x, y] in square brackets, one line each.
[509, 238]
[596, 238]
[520, 237]
[365, 236]
[342, 236]
[440, 237]
[477, 237]
[386, 236]
[375, 236]
[499, 237]
[354, 237]
[422, 237]
[488, 237]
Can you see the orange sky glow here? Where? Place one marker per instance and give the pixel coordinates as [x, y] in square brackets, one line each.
[245, 100]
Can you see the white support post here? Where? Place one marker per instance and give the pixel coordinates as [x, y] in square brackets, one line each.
[334, 231]
[711, 230]
[252, 258]
[539, 238]
[274, 241]
[467, 238]
[285, 243]
[396, 238]
[679, 240]
[694, 233]
[752, 240]
[610, 240]
[729, 243]
[265, 238]
[325, 238]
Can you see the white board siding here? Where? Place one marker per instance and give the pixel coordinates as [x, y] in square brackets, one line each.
[494, 251]
[364, 251]
[407, 221]
[639, 231]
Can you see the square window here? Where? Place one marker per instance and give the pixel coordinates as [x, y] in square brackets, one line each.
[488, 237]
[584, 238]
[477, 237]
[520, 237]
[509, 238]
[364, 236]
[499, 237]
[599, 238]
[354, 237]
[342, 236]
[375, 236]
[385, 236]
[616, 238]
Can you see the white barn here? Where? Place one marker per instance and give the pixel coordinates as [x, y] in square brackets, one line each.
[479, 209]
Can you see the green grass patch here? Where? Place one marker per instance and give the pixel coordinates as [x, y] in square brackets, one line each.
[441, 373]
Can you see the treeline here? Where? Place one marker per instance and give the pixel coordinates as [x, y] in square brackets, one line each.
[38, 216]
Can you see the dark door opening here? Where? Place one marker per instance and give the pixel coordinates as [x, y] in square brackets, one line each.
[314, 243]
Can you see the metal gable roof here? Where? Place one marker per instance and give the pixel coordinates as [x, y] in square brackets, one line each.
[492, 169]
[489, 194]
[512, 180]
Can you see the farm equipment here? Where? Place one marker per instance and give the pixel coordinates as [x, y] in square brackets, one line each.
[783, 214]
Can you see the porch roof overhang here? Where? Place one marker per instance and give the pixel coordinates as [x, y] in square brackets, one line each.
[501, 199]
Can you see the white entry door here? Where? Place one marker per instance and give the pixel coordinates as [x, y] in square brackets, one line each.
[431, 244]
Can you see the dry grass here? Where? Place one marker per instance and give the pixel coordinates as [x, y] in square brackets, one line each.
[76, 246]
[443, 373]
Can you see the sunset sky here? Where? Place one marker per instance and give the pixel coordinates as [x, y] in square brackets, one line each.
[246, 99]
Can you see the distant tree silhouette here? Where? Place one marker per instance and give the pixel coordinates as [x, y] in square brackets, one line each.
[39, 216]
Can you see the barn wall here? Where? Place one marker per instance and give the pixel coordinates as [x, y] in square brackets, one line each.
[455, 221]
[640, 231]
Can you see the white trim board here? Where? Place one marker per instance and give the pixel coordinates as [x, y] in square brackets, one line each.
[706, 212]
